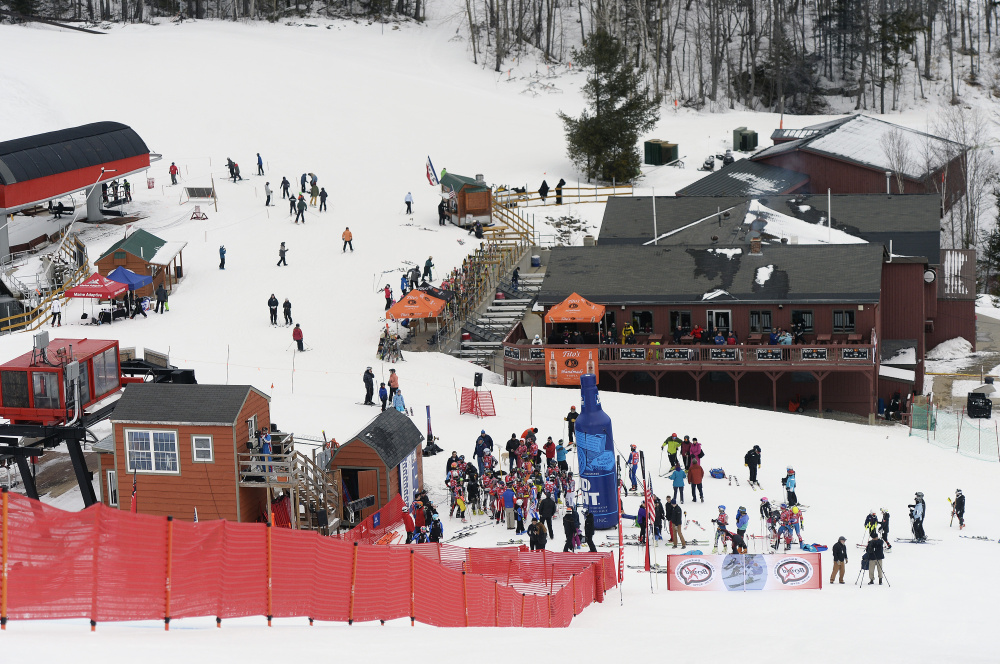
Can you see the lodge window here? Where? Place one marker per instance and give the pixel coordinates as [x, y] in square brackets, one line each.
[682, 318]
[113, 488]
[45, 389]
[201, 449]
[760, 321]
[106, 378]
[15, 388]
[642, 321]
[843, 320]
[252, 428]
[151, 451]
[804, 316]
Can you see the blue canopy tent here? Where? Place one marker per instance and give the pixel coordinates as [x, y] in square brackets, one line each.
[125, 276]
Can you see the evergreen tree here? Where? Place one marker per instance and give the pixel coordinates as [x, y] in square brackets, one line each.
[603, 141]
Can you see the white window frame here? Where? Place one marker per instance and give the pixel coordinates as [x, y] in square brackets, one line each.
[153, 453]
[194, 448]
[112, 476]
[252, 428]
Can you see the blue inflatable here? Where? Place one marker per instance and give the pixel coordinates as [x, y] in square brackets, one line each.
[596, 453]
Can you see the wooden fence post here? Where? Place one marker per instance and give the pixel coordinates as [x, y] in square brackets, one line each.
[354, 578]
[522, 609]
[170, 562]
[3, 563]
[413, 592]
[270, 610]
[550, 609]
[574, 595]
[97, 557]
[465, 598]
[496, 603]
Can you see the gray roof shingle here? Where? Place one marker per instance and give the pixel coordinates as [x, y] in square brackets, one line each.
[746, 178]
[629, 274]
[182, 404]
[391, 434]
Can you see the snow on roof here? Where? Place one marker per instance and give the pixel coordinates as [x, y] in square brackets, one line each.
[728, 253]
[755, 184]
[859, 139]
[780, 225]
[904, 356]
[718, 292]
[166, 253]
[763, 274]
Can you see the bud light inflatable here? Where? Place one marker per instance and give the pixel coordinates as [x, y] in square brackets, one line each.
[596, 453]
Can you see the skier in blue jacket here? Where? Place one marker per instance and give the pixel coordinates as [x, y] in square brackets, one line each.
[404, 285]
[561, 456]
[398, 403]
[790, 487]
[383, 395]
[678, 477]
[633, 468]
[742, 520]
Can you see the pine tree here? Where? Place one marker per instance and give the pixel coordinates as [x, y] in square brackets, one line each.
[603, 141]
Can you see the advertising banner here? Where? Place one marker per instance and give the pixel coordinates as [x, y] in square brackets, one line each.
[564, 367]
[408, 477]
[741, 572]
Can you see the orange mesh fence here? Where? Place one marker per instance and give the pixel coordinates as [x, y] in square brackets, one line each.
[110, 565]
[377, 524]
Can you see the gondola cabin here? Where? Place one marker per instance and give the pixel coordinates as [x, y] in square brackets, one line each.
[33, 386]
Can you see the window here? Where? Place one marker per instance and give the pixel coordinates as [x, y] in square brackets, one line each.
[106, 377]
[804, 316]
[252, 428]
[718, 321]
[84, 385]
[682, 318]
[113, 488]
[151, 451]
[760, 321]
[45, 388]
[15, 388]
[642, 321]
[201, 449]
[843, 320]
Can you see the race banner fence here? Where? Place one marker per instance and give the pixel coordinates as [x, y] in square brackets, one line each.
[742, 572]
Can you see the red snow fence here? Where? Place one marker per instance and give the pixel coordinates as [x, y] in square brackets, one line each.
[376, 525]
[110, 565]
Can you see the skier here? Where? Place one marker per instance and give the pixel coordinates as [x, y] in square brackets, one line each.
[383, 395]
[56, 310]
[672, 443]
[348, 239]
[291, 203]
[173, 173]
[281, 255]
[875, 557]
[958, 508]
[917, 513]
[484, 447]
[695, 476]
[409, 209]
[588, 530]
[322, 199]
[571, 421]
[428, 264]
[388, 296]
[297, 337]
[394, 384]
[678, 476]
[752, 461]
[437, 529]
[676, 517]
[871, 524]
[789, 484]
[508, 507]
[397, 401]
[161, 300]
[260, 165]
[369, 378]
[633, 461]
[570, 491]
[272, 307]
[543, 191]
[222, 257]
[236, 172]
[839, 559]
[285, 184]
[720, 529]
[300, 207]
[561, 457]
[742, 520]
[408, 526]
[796, 524]
[659, 514]
[303, 181]
[267, 194]
[884, 529]
[286, 308]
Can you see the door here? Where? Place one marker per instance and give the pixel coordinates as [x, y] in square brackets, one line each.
[368, 486]
[718, 321]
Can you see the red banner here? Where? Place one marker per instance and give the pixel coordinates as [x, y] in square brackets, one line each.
[565, 366]
[740, 572]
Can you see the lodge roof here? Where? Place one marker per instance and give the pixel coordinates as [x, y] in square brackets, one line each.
[746, 178]
[391, 434]
[139, 243]
[163, 403]
[456, 182]
[665, 274]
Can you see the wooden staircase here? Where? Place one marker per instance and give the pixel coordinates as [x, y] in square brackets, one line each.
[311, 491]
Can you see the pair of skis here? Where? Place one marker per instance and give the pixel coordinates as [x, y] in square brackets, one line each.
[733, 478]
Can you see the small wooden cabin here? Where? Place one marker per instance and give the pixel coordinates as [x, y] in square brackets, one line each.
[472, 198]
[182, 443]
[378, 458]
[146, 255]
[33, 386]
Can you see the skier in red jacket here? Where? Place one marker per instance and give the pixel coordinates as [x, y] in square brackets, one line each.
[173, 173]
[297, 336]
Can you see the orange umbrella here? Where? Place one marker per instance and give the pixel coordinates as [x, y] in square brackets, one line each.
[416, 305]
[575, 309]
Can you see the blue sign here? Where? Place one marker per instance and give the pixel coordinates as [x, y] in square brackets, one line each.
[376, 519]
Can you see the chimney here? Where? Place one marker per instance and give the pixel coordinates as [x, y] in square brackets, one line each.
[755, 245]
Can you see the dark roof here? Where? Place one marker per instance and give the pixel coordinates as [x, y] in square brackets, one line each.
[139, 243]
[910, 221]
[889, 348]
[628, 274]
[182, 404]
[746, 178]
[391, 434]
[456, 182]
[65, 150]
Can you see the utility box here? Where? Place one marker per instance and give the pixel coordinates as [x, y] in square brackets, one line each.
[653, 152]
[979, 406]
[748, 141]
[668, 152]
[738, 137]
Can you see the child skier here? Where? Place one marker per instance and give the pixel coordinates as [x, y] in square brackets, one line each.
[720, 529]
[633, 460]
[789, 483]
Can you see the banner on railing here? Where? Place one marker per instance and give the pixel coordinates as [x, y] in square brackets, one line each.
[564, 367]
[741, 572]
[408, 477]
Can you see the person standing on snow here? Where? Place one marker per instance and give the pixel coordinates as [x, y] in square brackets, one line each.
[633, 468]
[437, 529]
[291, 203]
[383, 395]
[696, 474]
[672, 443]
[267, 194]
[676, 517]
[409, 205]
[571, 422]
[397, 401]
[559, 188]
[484, 446]
[917, 513]
[301, 208]
[404, 285]
[569, 528]
[388, 296]
[875, 557]
[839, 559]
[588, 530]
[720, 529]
[348, 238]
[303, 180]
[442, 216]
[285, 184]
[272, 307]
[543, 191]
[883, 527]
[313, 195]
[287, 310]
[742, 521]
[236, 172]
[958, 507]
[369, 378]
[789, 483]
[752, 461]
[56, 310]
[298, 338]
[260, 165]
[173, 173]
[222, 257]
[281, 255]
[428, 264]
[871, 524]
[322, 199]
[393, 383]
[161, 300]
[561, 457]
[678, 476]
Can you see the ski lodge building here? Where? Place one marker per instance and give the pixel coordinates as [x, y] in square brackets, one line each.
[872, 291]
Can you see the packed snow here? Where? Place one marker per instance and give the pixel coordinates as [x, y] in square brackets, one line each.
[907, 356]
[728, 253]
[363, 108]
[780, 226]
[763, 274]
[952, 349]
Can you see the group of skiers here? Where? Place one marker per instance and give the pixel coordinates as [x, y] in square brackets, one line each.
[385, 394]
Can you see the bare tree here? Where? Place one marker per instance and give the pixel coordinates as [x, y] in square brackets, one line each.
[897, 152]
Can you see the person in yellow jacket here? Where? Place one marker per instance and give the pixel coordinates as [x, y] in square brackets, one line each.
[672, 443]
[347, 237]
[628, 334]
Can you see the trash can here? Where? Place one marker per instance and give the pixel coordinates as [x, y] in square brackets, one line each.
[589, 241]
[536, 261]
[179, 271]
[466, 336]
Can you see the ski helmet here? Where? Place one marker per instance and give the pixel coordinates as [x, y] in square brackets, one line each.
[454, 464]
[795, 510]
[791, 471]
[741, 509]
[423, 529]
[763, 500]
[958, 492]
[920, 494]
[436, 517]
[722, 508]
[783, 506]
[572, 407]
[633, 447]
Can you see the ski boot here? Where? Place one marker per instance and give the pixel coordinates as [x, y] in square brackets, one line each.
[715, 550]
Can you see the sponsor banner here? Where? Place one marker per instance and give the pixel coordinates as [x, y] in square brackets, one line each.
[564, 367]
[741, 572]
[408, 477]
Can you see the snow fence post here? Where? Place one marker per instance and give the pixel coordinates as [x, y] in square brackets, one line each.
[167, 580]
[3, 562]
[413, 612]
[574, 595]
[465, 597]
[267, 539]
[496, 603]
[354, 579]
[97, 557]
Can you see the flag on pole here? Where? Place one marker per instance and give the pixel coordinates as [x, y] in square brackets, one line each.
[134, 507]
[432, 178]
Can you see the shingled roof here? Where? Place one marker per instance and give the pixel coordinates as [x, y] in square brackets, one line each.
[139, 243]
[391, 434]
[746, 178]
[628, 274]
[169, 403]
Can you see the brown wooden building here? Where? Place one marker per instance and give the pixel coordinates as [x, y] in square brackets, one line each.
[182, 443]
[380, 460]
[472, 198]
[146, 255]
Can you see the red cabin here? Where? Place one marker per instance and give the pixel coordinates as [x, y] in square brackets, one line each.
[33, 386]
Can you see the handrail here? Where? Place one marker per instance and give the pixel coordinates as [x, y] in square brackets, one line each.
[37, 316]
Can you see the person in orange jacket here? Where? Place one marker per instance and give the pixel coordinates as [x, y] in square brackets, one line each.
[393, 383]
[347, 237]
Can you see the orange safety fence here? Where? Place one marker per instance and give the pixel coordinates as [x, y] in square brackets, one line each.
[111, 565]
[376, 525]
